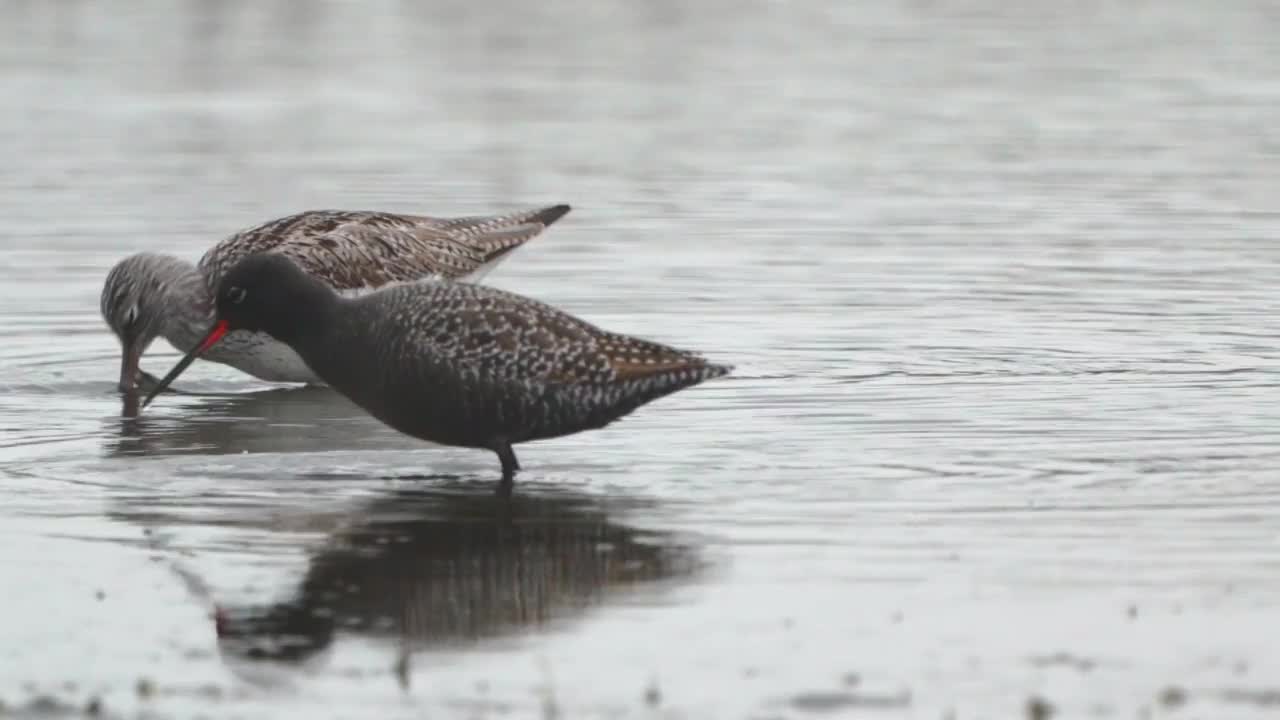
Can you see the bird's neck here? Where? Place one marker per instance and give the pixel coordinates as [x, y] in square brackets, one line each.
[318, 328]
[304, 319]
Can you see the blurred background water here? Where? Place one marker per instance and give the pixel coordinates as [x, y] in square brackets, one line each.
[999, 280]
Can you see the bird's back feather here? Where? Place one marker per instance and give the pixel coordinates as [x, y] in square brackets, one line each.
[461, 363]
[363, 250]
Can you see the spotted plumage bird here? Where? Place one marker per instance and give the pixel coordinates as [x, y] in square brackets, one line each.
[452, 363]
[149, 295]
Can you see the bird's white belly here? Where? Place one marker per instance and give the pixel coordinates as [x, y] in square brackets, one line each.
[261, 356]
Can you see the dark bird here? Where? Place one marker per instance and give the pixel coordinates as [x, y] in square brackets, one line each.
[148, 295]
[451, 363]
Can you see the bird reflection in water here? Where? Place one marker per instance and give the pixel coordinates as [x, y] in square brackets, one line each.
[295, 419]
[443, 568]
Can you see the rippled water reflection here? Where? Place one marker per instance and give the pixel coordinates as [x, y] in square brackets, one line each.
[999, 283]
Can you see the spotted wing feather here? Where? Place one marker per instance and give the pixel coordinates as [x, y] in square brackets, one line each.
[361, 250]
[469, 363]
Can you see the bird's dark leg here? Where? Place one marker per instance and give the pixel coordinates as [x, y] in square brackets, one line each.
[509, 467]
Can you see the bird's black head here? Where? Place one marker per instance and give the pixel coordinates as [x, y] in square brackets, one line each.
[270, 293]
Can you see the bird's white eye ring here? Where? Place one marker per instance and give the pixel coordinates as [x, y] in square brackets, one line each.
[236, 295]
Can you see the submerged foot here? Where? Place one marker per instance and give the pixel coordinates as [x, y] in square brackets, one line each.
[505, 486]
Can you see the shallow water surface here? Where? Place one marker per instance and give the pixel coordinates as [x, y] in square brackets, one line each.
[999, 283]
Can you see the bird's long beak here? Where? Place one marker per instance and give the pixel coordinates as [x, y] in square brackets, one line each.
[130, 356]
[215, 334]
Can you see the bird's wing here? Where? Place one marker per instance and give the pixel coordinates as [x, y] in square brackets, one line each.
[492, 334]
[362, 250]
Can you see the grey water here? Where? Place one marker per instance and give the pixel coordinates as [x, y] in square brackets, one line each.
[1001, 282]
